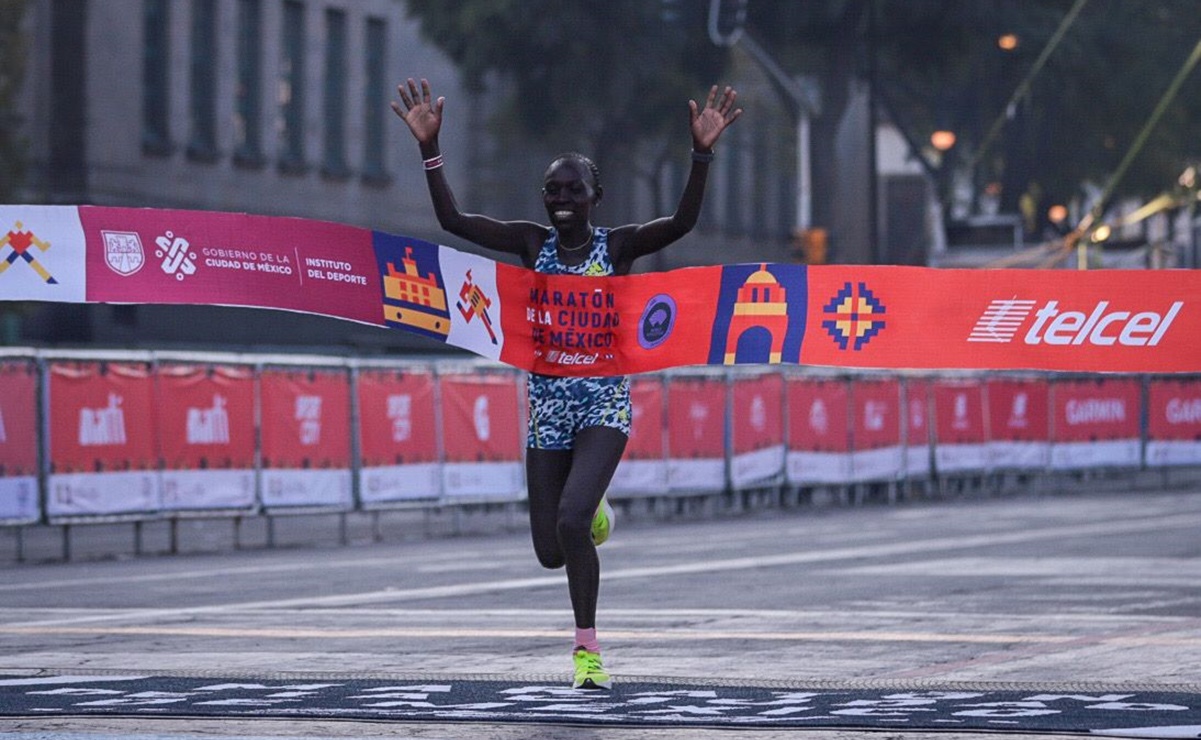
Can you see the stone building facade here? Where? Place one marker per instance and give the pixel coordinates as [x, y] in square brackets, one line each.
[280, 107]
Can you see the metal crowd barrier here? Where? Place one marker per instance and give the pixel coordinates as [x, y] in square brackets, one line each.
[88, 436]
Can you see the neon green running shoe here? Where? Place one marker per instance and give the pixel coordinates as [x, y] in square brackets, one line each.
[602, 522]
[589, 671]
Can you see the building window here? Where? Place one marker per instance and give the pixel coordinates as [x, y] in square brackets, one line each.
[291, 90]
[203, 143]
[156, 77]
[334, 104]
[247, 113]
[374, 111]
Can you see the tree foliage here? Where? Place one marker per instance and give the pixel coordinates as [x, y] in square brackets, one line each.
[604, 75]
[614, 73]
[939, 64]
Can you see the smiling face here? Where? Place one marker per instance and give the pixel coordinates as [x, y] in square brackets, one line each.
[569, 193]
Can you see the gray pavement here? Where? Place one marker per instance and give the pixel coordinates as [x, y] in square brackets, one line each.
[1067, 592]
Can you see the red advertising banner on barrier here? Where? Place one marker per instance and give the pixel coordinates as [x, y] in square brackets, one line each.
[206, 436]
[960, 444]
[18, 441]
[482, 436]
[643, 468]
[877, 452]
[696, 433]
[862, 316]
[1019, 423]
[919, 462]
[1095, 423]
[398, 441]
[305, 437]
[819, 432]
[757, 429]
[1174, 421]
[102, 430]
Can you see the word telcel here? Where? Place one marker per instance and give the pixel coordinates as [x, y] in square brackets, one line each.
[1141, 329]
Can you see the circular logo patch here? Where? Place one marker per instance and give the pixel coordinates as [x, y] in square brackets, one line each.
[658, 319]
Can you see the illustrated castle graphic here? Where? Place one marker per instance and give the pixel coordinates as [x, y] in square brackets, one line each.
[415, 301]
[762, 304]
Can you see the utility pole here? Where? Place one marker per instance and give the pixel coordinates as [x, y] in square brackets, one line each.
[727, 20]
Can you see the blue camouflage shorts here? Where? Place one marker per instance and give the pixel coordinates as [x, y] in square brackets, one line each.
[561, 407]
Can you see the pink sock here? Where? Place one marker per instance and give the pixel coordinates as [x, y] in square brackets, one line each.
[586, 638]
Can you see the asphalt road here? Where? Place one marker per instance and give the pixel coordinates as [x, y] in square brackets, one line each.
[1059, 591]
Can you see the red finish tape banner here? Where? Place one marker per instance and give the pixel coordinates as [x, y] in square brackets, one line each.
[206, 435]
[18, 441]
[838, 316]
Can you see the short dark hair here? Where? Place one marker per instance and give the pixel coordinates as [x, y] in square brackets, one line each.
[583, 160]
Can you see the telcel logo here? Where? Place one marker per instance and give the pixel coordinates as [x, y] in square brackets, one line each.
[1002, 320]
[1101, 327]
[570, 358]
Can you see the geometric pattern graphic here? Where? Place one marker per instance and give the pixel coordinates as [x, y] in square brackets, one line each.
[633, 702]
[856, 315]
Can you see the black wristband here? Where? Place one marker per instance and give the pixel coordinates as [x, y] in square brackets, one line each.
[702, 156]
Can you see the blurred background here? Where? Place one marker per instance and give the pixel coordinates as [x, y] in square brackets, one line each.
[947, 133]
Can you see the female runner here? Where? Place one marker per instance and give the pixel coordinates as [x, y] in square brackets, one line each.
[578, 427]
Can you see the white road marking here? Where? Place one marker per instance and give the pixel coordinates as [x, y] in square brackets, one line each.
[686, 634]
[911, 547]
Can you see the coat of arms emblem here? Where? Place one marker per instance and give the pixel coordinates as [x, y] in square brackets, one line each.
[123, 252]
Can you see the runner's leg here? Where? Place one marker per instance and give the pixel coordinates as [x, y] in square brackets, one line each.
[597, 451]
[546, 474]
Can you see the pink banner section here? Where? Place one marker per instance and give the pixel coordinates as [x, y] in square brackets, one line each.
[18, 441]
[643, 467]
[101, 426]
[696, 435]
[398, 441]
[305, 437]
[206, 436]
[1095, 423]
[877, 449]
[819, 432]
[959, 436]
[483, 436]
[840, 316]
[1174, 422]
[757, 429]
